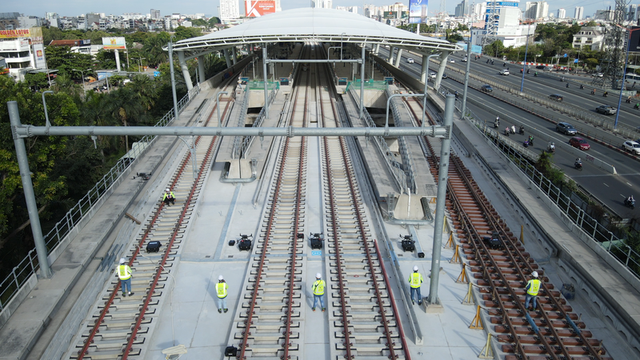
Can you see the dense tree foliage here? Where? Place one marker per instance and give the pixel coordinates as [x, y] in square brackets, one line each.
[65, 168]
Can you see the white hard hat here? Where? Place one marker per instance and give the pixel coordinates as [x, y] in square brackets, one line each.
[415, 268]
[122, 260]
[318, 276]
[166, 190]
[220, 277]
[534, 274]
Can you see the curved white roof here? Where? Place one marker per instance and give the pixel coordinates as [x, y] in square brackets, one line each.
[310, 24]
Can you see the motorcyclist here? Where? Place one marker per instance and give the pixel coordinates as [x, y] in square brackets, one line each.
[531, 140]
[636, 106]
[496, 123]
[551, 147]
[513, 129]
[507, 131]
[628, 100]
[504, 64]
[593, 92]
[521, 129]
[535, 73]
[581, 87]
[567, 85]
[605, 94]
[528, 71]
[630, 201]
[562, 79]
[578, 163]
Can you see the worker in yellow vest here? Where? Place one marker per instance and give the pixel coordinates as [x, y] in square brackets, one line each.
[168, 197]
[124, 274]
[532, 288]
[222, 289]
[415, 281]
[318, 292]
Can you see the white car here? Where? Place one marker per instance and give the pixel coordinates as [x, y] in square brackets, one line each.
[504, 72]
[452, 60]
[464, 59]
[631, 146]
[432, 75]
[410, 60]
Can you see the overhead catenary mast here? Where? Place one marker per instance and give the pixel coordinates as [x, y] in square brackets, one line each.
[612, 64]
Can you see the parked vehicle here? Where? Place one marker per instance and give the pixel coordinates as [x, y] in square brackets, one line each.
[579, 143]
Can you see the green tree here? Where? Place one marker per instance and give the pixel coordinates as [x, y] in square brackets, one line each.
[187, 33]
[496, 48]
[105, 60]
[36, 81]
[153, 48]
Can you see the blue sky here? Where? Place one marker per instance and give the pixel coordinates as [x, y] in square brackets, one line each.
[210, 7]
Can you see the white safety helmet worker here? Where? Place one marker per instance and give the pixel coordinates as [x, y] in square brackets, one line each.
[122, 261]
[220, 277]
[415, 268]
[167, 190]
[318, 276]
[534, 274]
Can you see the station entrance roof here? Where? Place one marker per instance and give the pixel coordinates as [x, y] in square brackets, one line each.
[312, 25]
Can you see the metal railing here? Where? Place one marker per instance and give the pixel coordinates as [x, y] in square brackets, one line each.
[402, 144]
[248, 140]
[237, 141]
[29, 265]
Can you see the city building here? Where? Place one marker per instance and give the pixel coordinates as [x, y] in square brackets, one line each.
[589, 37]
[578, 13]
[229, 10]
[155, 14]
[562, 13]
[9, 21]
[604, 14]
[18, 57]
[479, 11]
[507, 25]
[536, 10]
[462, 9]
[631, 13]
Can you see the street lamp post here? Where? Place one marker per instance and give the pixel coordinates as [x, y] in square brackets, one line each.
[82, 74]
[140, 63]
[44, 103]
[341, 35]
[524, 64]
[624, 76]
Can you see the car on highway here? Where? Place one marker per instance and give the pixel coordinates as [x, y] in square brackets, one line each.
[606, 109]
[445, 76]
[504, 72]
[555, 97]
[541, 67]
[631, 146]
[410, 60]
[432, 75]
[566, 128]
[580, 143]
[452, 60]
[486, 88]
[464, 59]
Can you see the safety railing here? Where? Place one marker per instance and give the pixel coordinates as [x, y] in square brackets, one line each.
[570, 204]
[407, 162]
[237, 140]
[393, 165]
[29, 265]
[248, 140]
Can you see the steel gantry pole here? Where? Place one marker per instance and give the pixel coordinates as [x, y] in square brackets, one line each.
[526, 49]
[426, 87]
[264, 73]
[29, 195]
[466, 75]
[362, 82]
[440, 202]
[624, 76]
[44, 104]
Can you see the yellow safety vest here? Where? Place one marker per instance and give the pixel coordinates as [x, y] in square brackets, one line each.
[124, 272]
[415, 279]
[165, 195]
[221, 289]
[534, 287]
[318, 287]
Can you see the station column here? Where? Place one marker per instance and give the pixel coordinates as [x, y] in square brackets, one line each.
[398, 58]
[185, 70]
[201, 75]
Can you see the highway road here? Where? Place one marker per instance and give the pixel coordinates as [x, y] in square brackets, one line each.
[608, 188]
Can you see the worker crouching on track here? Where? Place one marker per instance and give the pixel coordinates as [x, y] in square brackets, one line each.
[532, 288]
[415, 281]
[222, 289]
[318, 292]
[168, 197]
[124, 274]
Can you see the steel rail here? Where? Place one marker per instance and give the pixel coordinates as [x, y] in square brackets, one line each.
[296, 224]
[185, 208]
[267, 237]
[105, 310]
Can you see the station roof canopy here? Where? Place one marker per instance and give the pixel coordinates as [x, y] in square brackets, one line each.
[312, 25]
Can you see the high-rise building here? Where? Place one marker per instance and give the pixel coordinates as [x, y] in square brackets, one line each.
[631, 13]
[155, 14]
[562, 13]
[229, 10]
[462, 9]
[578, 13]
[536, 10]
[479, 11]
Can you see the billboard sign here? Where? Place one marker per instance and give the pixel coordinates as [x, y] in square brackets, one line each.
[257, 8]
[418, 11]
[17, 33]
[390, 14]
[114, 43]
[36, 35]
[38, 52]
